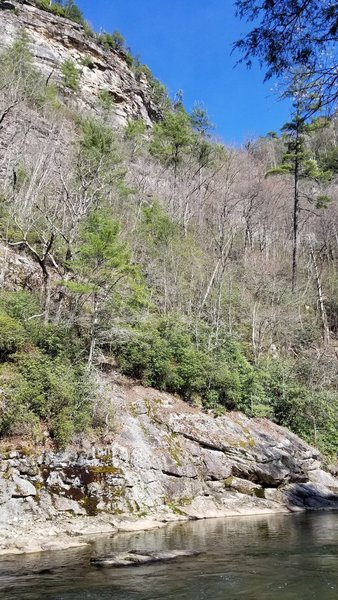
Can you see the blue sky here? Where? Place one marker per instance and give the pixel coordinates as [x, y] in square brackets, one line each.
[187, 44]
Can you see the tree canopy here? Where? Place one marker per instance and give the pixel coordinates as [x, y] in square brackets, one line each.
[294, 34]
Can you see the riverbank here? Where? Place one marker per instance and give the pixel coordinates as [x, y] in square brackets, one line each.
[81, 531]
[167, 461]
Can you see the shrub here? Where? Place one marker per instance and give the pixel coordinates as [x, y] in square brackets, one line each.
[42, 377]
[114, 41]
[12, 335]
[15, 417]
[96, 138]
[41, 388]
[19, 305]
[70, 75]
[163, 354]
[105, 100]
[159, 92]
[19, 76]
[67, 9]
[135, 129]
[87, 61]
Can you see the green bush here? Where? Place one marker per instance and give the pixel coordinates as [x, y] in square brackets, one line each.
[19, 305]
[135, 129]
[12, 335]
[114, 41]
[42, 377]
[67, 9]
[87, 61]
[19, 75]
[70, 75]
[105, 100]
[299, 401]
[96, 139]
[163, 354]
[160, 94]
[35, 387]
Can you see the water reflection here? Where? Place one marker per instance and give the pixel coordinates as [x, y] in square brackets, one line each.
[256, 558]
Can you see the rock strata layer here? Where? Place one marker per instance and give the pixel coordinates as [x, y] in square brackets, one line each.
[55, 39]
[167, 461]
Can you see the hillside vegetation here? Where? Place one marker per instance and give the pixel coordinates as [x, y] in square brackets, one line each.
[166, 252]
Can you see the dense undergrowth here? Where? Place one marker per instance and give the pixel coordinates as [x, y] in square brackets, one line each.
[169, 252]
[44, 382]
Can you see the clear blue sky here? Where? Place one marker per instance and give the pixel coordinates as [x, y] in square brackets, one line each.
[187, 44]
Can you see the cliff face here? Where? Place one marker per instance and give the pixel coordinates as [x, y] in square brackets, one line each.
[54, 39]
[166, 461]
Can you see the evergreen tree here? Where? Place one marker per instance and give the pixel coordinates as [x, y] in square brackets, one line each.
[101, 262]
[298, 162]
[298, 34]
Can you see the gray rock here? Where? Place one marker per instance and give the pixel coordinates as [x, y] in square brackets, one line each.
[23, 488]
[244, 486]
[63, 504]
[7, 489]
[172, 462]
[54, 39]
[324, 479]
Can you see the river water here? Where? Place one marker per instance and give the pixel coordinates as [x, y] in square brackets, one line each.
[253, 558]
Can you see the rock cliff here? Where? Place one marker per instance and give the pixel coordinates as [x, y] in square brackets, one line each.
[166, 461]
[54, 39]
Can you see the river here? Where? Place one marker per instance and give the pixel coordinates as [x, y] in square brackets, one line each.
[255, 558]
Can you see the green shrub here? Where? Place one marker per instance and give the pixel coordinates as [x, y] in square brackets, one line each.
[105, 100]
[46, 389]
[70, 75]
[12, 335]
[159, 92]
[163, 354]
[19, 75]
[114, 41]
[135, 129]
[87, 61]
[96, 139]
[19, 305]
[67, 9]
[43, 382]
[16, 418]
[63, 427]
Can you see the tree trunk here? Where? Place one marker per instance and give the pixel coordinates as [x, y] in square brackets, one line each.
[46, 294]
[93, 330]
[295, 218]
[323, 316]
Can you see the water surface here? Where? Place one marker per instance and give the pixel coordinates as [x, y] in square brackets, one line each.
[256, 558]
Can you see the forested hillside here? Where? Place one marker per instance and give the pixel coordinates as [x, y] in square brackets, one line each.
[161, 252]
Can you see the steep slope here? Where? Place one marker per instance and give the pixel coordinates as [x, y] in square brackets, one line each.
[55, 39]
[166, 461]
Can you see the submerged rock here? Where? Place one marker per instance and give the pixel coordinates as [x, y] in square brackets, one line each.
[136, 558]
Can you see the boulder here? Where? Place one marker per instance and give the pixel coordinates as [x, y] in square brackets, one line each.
[22, 488]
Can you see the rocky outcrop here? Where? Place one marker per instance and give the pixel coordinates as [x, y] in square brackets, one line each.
[166, 461]
[54, 39]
